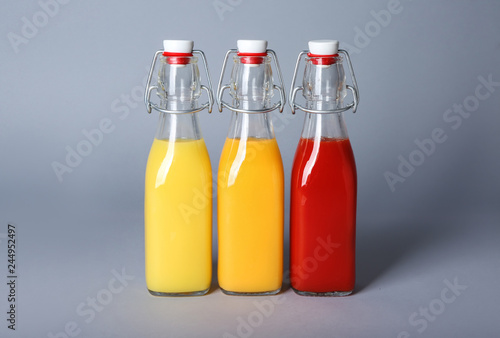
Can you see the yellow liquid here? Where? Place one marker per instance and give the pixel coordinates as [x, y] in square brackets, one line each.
[250, 216]
[178, 217]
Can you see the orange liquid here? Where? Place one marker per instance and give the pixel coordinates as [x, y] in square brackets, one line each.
[250, 216]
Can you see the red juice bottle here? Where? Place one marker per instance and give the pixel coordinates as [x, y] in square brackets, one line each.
[324, 183]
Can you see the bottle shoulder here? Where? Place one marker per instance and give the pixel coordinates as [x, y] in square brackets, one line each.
[251, 153]
[178, 151]
[323, 154]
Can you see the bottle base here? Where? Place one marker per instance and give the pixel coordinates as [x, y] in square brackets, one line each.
[179, 294]
[323, 294]
[237, 293]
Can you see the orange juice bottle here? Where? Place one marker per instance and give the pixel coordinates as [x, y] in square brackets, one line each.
[250, 178]
[178, 188]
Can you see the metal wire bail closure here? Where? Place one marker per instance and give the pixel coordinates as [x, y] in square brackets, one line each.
[221, 88]
[353, 89]
[147, 93]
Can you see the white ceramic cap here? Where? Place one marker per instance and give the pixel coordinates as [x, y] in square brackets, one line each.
[252, 46]
[324, 47]
[178, 46]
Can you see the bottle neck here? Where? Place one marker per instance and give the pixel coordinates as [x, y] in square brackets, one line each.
[324, 84]
[244, 126]
[251, 83]
[187, 105]
[174, 127]
[318, 126]
[179, 85]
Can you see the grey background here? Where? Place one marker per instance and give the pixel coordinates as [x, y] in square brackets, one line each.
[440, 225]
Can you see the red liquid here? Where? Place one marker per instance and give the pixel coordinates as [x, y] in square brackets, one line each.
[323, 216]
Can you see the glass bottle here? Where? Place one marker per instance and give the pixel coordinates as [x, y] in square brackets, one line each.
[324, 182]
[250, 178]
[178, 187]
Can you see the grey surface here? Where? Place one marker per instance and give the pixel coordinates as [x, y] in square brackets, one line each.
[439, 226]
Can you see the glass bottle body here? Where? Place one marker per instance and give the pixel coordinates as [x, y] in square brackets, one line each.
[250, 192]
[323, 199]
[178, 194]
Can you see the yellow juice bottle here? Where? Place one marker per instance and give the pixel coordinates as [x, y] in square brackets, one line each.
[250, 191]
[178, 187]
